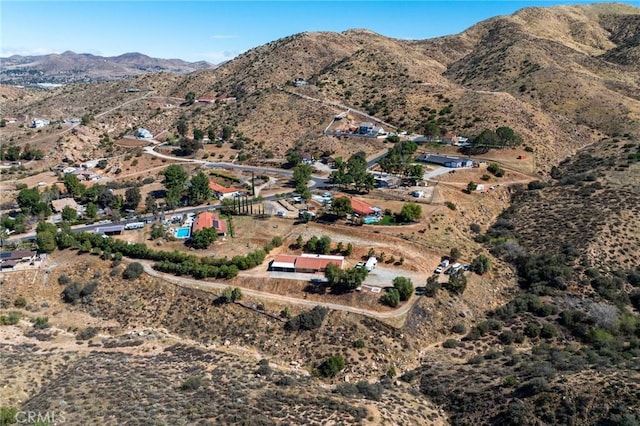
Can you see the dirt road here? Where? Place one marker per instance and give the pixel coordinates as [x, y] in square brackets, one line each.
[207, 285]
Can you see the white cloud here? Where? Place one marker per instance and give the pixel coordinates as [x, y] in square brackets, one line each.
[7, 51]
[223, 36]
[219, 56]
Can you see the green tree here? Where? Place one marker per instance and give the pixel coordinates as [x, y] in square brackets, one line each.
[432, 286]
[324, 245]
[157, 231]
[69, 214]
[198, 191]
[331, 366]
[301, 175]
[190, 98]
[457, 283]
[495, 170]
[507, 136]
[349, 249]
[46, 241]
[391, 298]
[132, 198]
[404, 286]
[198, 134]
[414, 171]
[91, 211]
[204, 238]
[410, 212]
[486, 138]
[175, 177]
[431, 130]
[357, 170]
[472, 186]
[28, 199]
[73, 185]
[232, 294]
[150, 204]
[86, 119]
[454, 254]
[294, 158]
[182, 127]
[299, 241]
[341, 206]
[481, 264]
[227, 132]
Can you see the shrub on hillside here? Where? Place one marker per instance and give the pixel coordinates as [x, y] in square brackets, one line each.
[331, 366]
[71, 293]
[133, 271]
[309, 320]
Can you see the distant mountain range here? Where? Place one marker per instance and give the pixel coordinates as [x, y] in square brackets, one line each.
[71, 67]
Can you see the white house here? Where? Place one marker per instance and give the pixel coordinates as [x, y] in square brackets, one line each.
[39, 122]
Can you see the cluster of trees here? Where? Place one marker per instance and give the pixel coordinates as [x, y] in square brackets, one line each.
[401, 291]
[202, 239]
[301, 175]
[399, 160]
[500, 138]
[322, 245]
[344, 280]
[13, 152]
[176, 181]
[410, 212]
[353, 172]
[495, 170]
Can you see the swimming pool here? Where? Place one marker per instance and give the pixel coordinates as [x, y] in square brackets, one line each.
[183, 232]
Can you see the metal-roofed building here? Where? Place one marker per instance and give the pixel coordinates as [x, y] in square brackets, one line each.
[446, 160]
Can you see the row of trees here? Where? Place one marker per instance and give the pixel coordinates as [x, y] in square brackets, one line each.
[14, 153]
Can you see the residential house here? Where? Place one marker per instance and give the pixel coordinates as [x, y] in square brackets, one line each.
[39, 122]
[450, 138]
[209, 220]
[222, 192]
[12, 258]
[59, 205]
[306, 263]
[143, 133]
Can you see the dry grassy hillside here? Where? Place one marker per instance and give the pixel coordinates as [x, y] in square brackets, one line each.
[561, 77]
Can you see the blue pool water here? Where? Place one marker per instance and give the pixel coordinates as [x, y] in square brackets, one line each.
[183, 233]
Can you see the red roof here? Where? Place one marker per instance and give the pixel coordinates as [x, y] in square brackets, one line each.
[221, 189]
[360, 207]
[316, 263]
[209, 220]
[285, 258]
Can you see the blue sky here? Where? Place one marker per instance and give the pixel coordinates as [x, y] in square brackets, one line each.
[216, 31]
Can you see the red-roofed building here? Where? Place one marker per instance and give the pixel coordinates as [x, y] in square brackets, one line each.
[209, 220]
[361, 208]
[222, 192]
[304, 263]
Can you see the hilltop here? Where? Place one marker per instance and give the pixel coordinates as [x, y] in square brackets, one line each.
[70, 67]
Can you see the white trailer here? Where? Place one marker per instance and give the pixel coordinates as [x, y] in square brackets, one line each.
[371, 264]
[134, 225]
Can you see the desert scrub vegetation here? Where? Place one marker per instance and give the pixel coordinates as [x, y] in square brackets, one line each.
[137, 391]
